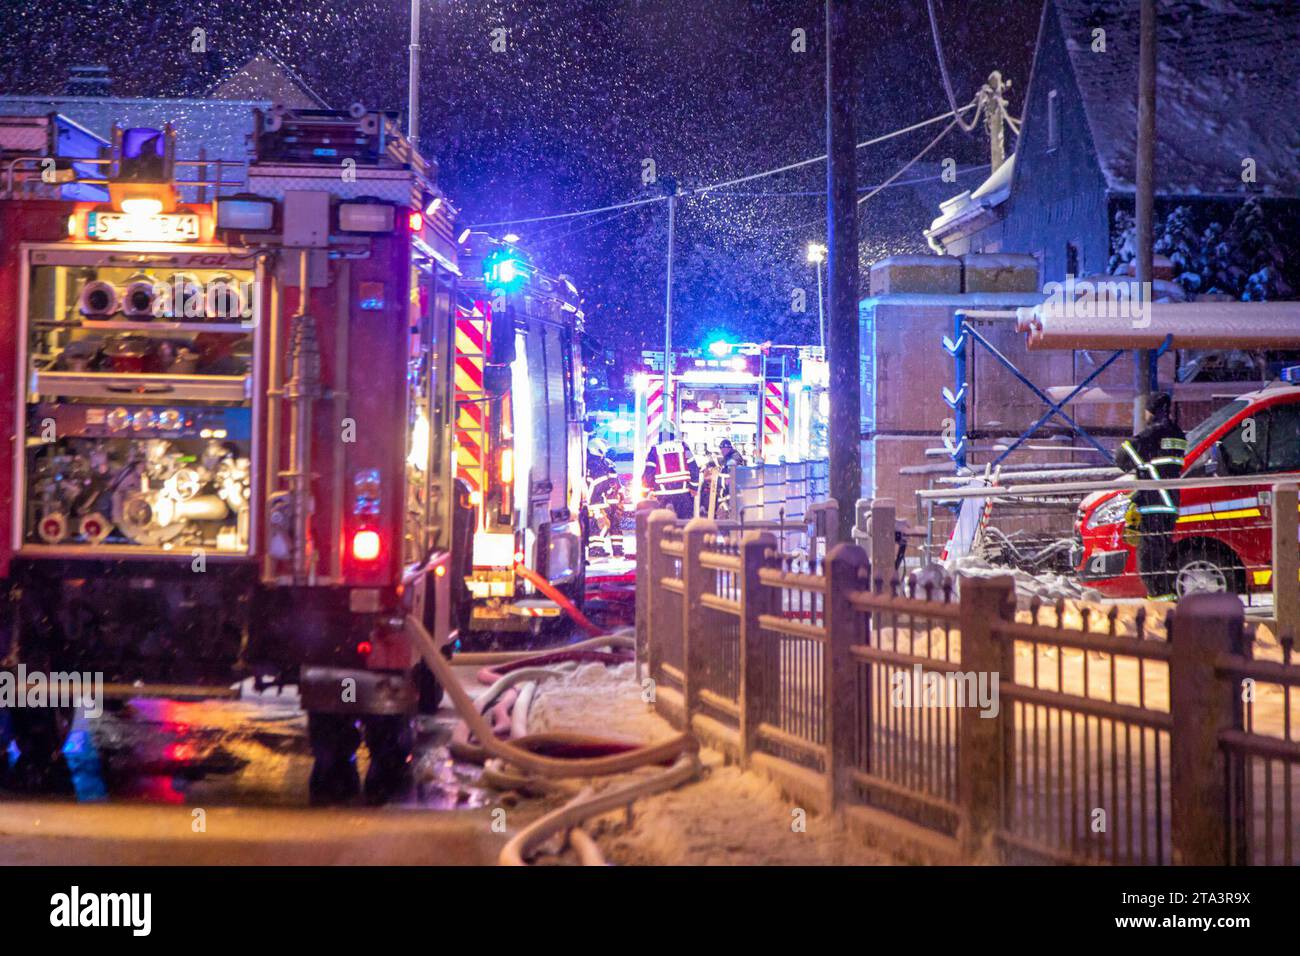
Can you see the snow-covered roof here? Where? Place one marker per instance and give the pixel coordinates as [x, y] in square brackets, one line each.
[966, 205]
[1227, 90]
[266, 77]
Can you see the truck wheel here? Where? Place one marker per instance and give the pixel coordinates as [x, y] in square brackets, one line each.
[1209, 567]
[390, 740]
[334, 739]
[39, 733]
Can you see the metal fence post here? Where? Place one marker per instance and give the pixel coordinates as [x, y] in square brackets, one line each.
[642, 585]
[1286, 559]
[980, 763]
[1202, 704]
[755, 599]
[861, 513]
[693, 578]
[846, 568]
[882, 550]
[656, 566]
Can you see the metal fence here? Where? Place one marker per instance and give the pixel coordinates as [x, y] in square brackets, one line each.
[1050, 733]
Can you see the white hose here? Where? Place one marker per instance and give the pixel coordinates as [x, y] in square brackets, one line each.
[526, 760]
[619, 638]
[582, 807]
[519, 716]
[489, 697]
[586, 847]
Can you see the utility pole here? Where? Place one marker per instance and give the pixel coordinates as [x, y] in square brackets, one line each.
[1144, 196]
[413, 81]
[845, 430]
[670, 406]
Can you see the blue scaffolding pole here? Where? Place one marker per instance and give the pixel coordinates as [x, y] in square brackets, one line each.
[956, 400]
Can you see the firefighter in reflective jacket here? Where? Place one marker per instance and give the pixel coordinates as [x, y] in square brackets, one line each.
[671, 474]
[1153, 454]
[604, 497]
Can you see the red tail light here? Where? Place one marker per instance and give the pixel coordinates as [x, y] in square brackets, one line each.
[416, 221]
[365, 545]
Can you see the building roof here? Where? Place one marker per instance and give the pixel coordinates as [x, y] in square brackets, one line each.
[1227, 89]
[265, 77]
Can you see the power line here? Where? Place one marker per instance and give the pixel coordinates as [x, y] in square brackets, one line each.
[943, 72]
[700, 190]
[864, 189]
[817, 159]
[569, 215]
[911, 162]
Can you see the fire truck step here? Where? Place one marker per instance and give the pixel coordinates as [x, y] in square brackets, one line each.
[172, 691]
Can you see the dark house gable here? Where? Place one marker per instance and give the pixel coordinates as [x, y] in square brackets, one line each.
[1228, 90]
[1058, 208]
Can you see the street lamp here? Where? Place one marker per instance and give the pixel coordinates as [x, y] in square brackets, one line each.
[817, 255]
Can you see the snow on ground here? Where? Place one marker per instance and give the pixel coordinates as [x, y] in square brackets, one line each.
[728, 816]
[595, 699]
[732, 818]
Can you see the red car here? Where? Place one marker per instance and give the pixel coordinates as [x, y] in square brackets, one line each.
[1223, 538]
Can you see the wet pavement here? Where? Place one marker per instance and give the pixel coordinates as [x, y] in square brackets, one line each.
[145, 772]
[251, 751]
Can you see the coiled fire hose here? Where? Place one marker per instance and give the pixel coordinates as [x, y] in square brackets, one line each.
[516, 752]
[683, 749]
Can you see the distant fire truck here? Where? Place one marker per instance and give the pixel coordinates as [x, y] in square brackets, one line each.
[234, 429]
[769, 400]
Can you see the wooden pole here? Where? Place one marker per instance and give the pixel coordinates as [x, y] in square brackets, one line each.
[1144, 195]
[842, 267]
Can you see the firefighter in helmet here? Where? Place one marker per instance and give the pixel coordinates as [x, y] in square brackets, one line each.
[728, 455]
[1153, 454]
[671, 474]
[721, 474]
[604, 495]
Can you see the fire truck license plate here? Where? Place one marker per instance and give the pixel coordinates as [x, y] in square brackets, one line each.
[163, 227]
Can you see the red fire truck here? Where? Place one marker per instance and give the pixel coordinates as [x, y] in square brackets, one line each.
[232, 403]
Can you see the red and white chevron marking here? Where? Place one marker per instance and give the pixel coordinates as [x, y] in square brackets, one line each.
[654, 408]
[776, 416]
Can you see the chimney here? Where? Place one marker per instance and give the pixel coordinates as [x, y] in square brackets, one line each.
[88, 80]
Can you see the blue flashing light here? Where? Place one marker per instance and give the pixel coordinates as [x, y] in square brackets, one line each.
[720, 347]
[136, 139]
[504, 269]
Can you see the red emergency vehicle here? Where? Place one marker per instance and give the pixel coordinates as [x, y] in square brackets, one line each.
[1223, 536]
[230, 393]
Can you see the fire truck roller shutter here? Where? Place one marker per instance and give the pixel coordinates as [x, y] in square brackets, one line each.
[557, 416]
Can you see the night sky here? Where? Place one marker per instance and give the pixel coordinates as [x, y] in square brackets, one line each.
[585, 91]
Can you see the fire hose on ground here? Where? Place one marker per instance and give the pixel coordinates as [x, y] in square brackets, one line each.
[518, 754]
[614, 757]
